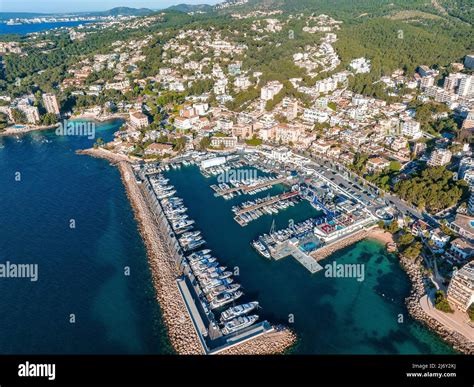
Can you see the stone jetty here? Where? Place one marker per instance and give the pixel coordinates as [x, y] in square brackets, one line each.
[342, 243]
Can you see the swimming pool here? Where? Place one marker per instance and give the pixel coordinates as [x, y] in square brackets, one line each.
[308, 247]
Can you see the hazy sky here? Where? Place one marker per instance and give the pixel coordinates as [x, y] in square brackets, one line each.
[46, 6]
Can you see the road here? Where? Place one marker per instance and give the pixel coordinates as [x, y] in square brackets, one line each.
[348, 180]
[456, 321]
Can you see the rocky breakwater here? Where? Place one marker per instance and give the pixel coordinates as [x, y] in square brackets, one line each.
[458, 341]
[181, 331]
[164, 273]
[273, 343]
[342, 243]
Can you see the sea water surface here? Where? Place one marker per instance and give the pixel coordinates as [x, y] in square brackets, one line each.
[81, 269]
[44, 186]
[23, 29]
[329, 315]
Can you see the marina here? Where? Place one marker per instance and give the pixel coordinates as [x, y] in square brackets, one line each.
[206, 287]
[249, 187]
[285, 286]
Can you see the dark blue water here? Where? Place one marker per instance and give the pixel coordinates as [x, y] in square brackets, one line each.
[24, 29]
[330, 315]
[81, 270]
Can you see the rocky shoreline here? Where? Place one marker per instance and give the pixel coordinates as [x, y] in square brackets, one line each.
[458, 341]
[175, 315]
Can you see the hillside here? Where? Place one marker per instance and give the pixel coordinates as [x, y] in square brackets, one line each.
[125, 11]
[191, 8]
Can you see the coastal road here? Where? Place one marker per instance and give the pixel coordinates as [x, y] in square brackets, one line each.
[340, 175]
[456, 322]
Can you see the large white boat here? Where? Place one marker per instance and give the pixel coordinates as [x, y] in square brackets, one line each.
[224, 299]
[261, 249]
[239, 310]
[238, 324]
[214, 292]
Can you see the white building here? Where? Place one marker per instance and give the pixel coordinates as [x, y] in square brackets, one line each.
[315, 115]
[270, 90]
[31, 113]
[440, 157]
[214, 162]
[225, 142]
[138, 120]
[466, 164]
[360, 65]
[461, 288]
[51, 103]
[470, 207]
[280, 154]
[411, 128]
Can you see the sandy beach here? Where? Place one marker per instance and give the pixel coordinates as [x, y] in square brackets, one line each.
[381, 235]
[374, 233]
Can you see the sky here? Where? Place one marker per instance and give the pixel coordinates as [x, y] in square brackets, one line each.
[53, 6]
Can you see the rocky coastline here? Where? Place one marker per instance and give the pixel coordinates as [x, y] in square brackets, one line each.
[458, 341]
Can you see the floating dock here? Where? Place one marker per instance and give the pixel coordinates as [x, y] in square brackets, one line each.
[247, 188]
[286, 249]
[271, 200]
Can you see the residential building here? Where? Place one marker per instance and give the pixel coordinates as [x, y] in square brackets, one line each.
[460, 250]
[377, 164]
[51, 103]
[360, 65]
[183, 123]
[158, 149]
[466, 86]
[31, 113]
[315, 115]
[440, 157]
[270, 90]
[464, 226]
[411, 128]
[438, 239]
[470, 207]
[461, 288]
[138, 120]
[225, 142]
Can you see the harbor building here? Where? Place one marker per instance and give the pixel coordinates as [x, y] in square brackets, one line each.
[225, 142]
[461, 288]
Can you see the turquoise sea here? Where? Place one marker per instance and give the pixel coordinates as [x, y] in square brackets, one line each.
[81, 270]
